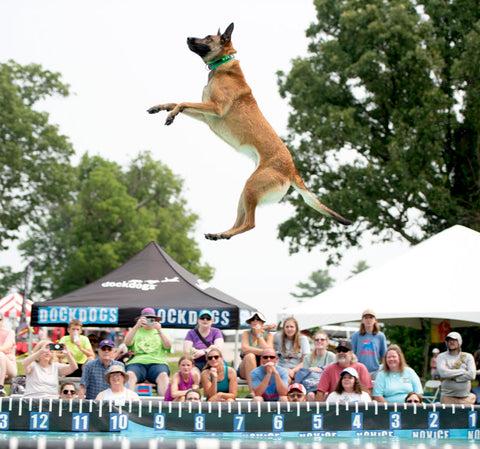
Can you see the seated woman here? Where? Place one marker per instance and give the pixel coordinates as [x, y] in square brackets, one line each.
[68, 390]
[218, 379]
[254, 341]
[291, 347]
[183, 380]
[117, 378]
[203, 336]
[413, 398]
[395, 380]
[43, 370]
[315, 362]
[349, 388]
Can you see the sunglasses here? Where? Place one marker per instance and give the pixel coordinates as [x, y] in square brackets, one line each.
[106, 348]
[320, 339]
[413, 401]
[295, 395]
[267, 357]
[342, 350]
[211, 357]
[205, 317]
[68, 391]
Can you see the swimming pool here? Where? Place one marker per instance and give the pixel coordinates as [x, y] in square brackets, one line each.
[314, 423]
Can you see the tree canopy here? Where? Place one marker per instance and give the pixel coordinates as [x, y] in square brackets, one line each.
[320, 281]
[80, 221]
[385, 120]
[115, 213]
[35, 166]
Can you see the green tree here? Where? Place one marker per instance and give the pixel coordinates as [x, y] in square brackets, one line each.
[359, 267]
[412, 341]
[385, 121]
[35, 169]
[320, 281]
[114, 214]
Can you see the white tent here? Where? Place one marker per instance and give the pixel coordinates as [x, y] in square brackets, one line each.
[436, 280]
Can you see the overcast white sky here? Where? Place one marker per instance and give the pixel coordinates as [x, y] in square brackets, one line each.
[121, 57]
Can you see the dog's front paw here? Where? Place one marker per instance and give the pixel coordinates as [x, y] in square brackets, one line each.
[161, 107]
[170, 119]
[154, 109]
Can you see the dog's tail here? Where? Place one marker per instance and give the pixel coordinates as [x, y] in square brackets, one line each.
[313, 202]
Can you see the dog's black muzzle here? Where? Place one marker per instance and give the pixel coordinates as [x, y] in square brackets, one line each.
[197, 46]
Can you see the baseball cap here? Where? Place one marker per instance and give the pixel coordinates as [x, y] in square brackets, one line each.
[149, 313]
[345, 344]
[435, 350]
[352, 371]
[205, 312]
[455, 336]
[108, 343]
[297, 386]
[253, 315]
[368, 312]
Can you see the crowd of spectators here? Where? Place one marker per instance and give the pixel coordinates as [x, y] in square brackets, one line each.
[277, 366]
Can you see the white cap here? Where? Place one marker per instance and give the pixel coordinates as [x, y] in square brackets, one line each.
[351, 371]
[435, 350]
[455, 336]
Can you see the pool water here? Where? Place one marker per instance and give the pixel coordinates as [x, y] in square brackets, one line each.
[272, 440]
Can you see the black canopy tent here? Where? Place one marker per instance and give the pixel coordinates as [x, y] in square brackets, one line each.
[151, 278]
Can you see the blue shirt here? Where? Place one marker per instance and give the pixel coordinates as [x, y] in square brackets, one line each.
[93, 377]
[270, 393]
[369, 349]
[394, 387]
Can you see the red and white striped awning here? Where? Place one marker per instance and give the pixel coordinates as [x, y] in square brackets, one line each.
[11, 306]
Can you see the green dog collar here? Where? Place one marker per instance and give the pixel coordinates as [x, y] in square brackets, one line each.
[220, 61]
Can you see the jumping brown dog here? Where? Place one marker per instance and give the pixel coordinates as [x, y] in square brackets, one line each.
[231, 112]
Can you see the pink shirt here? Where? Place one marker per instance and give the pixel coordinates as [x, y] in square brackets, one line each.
[331, 375]
[8, 336]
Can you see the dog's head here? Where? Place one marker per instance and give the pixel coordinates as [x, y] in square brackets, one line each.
[213, 46]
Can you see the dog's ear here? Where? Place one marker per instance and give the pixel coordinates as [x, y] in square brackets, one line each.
[227, 35]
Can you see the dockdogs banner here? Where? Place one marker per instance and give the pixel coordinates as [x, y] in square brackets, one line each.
[149, 279]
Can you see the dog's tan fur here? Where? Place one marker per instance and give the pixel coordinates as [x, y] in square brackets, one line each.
[231, 112]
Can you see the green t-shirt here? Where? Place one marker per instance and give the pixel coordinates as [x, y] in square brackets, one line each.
[78, 355]
[148, 347]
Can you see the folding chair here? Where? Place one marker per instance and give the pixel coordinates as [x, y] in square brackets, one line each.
[431, 391]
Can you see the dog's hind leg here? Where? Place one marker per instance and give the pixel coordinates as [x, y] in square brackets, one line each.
[242, 224]
[262, 187]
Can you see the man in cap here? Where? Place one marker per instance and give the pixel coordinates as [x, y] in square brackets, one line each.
[150, 343]
[93, 374]
[331, 374]
[369, 343]
[269, 382]
[457, 370]
[297, 393]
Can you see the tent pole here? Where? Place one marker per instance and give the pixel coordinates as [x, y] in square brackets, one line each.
[235, 354]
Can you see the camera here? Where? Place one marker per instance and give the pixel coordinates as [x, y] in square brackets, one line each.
[57, 346]
[150, 321]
